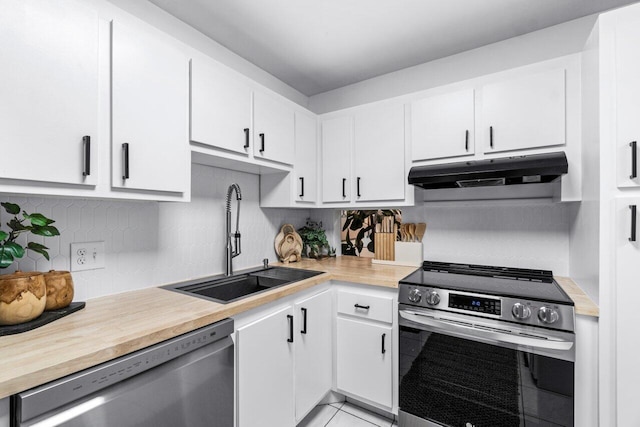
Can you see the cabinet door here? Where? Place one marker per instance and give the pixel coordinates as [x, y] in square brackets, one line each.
[364, 360]
[627, 88]
[306, 158]
[379, 153]
[48, 90]
[525, 112]
[627, 293]
[220, 107]
[150, 84]
[337, 134]
[265, 371]
[274, 129]
[312, 351]
[443, 126]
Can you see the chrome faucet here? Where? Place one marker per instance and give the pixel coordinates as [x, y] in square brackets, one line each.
[231, 251]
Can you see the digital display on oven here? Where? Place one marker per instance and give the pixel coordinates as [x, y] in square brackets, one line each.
[477, 304]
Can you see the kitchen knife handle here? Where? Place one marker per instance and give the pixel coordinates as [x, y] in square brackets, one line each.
[262, 142]
[634, 159]
[358, 186]
[466, 140]
[125, 161]
[384, 350]
[344, 188]
[364, 307]
[290, 319]
[86, 147]
[632, 237]
[491, 136]
[302, 186]
[304, 320]
[246, 137]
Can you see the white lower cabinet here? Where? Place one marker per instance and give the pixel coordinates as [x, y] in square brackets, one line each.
[283, 367]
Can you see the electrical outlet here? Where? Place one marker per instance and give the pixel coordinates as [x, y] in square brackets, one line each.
[87, 256]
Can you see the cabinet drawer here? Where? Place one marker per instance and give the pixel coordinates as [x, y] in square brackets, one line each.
[366, 306]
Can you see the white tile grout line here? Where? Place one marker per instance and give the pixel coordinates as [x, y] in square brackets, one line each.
[355, 416]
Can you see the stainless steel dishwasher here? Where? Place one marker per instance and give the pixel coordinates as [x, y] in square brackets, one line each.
[185, 381]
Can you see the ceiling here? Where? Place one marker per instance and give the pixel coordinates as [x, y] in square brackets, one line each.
[319, 45]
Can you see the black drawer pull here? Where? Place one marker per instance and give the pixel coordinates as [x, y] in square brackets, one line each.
[634, 159]
[364, 307]
[302, 186]
[358, 186]
[466, 140]
[304, 320]
[290, 319]
[632, 237]
[491, 136]
[262, 142]
[246, 137]
[383, 349]
[344, 188]
[86, 146]
[125, 160]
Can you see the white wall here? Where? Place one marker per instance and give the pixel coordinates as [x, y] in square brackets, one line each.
[552, 42]
[150, 243]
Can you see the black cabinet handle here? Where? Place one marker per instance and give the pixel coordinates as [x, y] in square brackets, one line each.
[125, 160]
[290, 319]
[491, 136]
[262, 142]
[246, 137]
[302, 186]
[466, 140]
[364, 307]
[304, 320]
[632, 237]
[358, 186]
[86, 146]
[344, 190]
[634, 159]
[383, 349]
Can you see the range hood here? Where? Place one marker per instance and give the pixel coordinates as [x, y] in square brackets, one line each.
[535, 168]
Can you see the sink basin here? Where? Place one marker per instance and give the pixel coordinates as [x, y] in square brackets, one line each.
[232, 288]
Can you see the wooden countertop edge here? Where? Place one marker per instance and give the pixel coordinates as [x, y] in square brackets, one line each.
[25, 367]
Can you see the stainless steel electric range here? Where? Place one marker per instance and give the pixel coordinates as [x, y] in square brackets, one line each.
[485, 346]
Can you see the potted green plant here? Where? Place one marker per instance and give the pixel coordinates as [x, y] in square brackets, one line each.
[314, 239]
[23, 295]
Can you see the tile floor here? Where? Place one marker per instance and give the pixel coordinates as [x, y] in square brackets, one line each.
[344, 414]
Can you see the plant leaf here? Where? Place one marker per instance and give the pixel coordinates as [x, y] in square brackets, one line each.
[47, 231]
[11, 208]
[38, 219]
[6, 259]
[16, 225]
[3, 235]
[14, 249]
[37, 247]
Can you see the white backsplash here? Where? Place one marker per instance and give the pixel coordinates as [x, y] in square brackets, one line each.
[151, 243]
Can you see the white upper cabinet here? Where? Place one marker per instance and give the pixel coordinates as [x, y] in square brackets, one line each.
[220, 107]
[305, 167]
[150, 111]
[379, 153]
[337, 136]
[49, 91]
[443, 126]
[525, 112]
[273, 136]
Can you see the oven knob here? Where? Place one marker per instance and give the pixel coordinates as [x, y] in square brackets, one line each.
[415, 295]
[432, 298]
[547, 315]
[520, 311]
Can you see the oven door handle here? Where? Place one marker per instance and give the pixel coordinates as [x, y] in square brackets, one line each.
[496, 336]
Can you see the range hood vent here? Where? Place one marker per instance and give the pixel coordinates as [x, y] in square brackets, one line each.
[535, 168]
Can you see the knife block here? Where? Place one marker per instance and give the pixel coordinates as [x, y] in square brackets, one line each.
[385, 248]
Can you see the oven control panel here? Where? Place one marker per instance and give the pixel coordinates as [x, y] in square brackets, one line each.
[475, 304]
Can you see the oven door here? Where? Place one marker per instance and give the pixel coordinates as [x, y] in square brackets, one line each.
[466, 371]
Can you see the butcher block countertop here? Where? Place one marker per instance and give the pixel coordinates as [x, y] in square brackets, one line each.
[115, 325]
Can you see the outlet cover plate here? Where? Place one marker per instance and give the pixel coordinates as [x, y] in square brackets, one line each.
[87, 256]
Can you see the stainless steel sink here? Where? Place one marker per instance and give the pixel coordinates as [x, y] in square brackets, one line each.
[231, 288]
